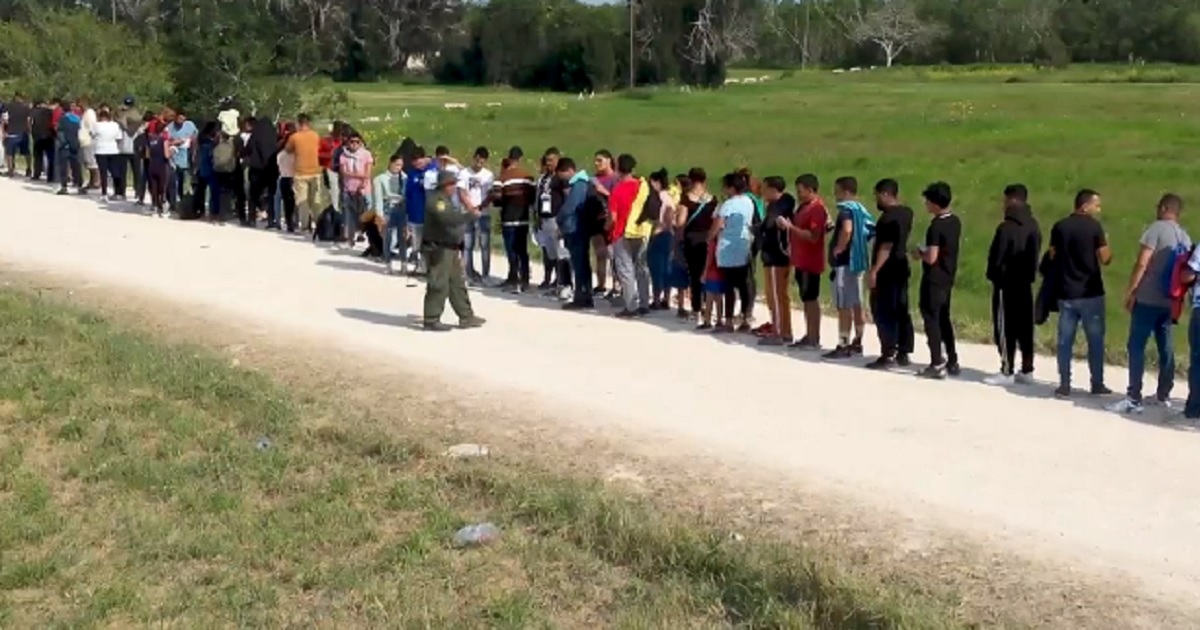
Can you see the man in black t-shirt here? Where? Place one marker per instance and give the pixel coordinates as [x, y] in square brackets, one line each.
[888, 277]
[1078, 249]
[41, 131]
[939, 262]
[776, 258]
[16, 134]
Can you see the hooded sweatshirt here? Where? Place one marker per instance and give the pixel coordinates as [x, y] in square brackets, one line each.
[577, 194]
[862, 231]
[1016, 248]
[263, 145]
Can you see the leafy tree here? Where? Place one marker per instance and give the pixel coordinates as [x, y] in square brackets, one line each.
[54, 54]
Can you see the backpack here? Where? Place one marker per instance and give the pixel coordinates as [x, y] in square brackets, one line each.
[1176, 288]
[329, 226]
[651, 209]
[225, 155]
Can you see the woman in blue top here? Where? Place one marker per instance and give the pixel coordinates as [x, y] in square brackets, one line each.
[732, 230]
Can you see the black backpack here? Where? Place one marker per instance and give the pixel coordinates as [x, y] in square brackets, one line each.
[652, 209]
[329, 226]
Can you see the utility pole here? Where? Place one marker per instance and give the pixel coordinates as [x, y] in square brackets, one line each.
[632, 55]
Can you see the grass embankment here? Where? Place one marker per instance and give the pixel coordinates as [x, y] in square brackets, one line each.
[134, 492]
[1055, 130]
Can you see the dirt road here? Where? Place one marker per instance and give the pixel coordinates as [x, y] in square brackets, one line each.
[1060, 479]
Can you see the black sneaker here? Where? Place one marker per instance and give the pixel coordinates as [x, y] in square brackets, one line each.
[953, 369]
[903, 360]
[61, 191]
[436, 327]
[744, 327]
[507, 285]
[472, 322]
[642, 312]
[626, 314]
[704, 326]
[805, 344]
[936, 372]
[1063, 391]
[578, 306]
[599, 291]
[840, 352]
[882, 363]
[544, 285]
[1101, 390]
[682, 313]
[856, 348]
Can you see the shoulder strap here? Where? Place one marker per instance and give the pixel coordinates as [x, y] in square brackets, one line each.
[700, 208]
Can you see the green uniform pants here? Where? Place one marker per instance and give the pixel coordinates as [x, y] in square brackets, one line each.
[445, 280]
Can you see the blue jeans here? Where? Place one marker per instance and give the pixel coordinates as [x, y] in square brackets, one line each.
[579, 247]
[1192, 408]
[1149, 320]
[516, 247]
[1072, 313]
[658, 256]
[479, 232]
[397, 221]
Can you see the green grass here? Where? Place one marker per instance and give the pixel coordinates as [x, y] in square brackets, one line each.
[1055, 130]
[132, 494]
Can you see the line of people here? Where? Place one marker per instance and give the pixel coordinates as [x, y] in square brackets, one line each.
[646, 243]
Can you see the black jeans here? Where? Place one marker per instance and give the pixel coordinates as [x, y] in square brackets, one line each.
[579, 245]
[1012, 326]
[516, 246]
[893, 320]
[287, 199]
[234, 183]
[737, 286]
[262, 189]
[43, 158]
[133, 166]
[696, 257]
[112, 168]
[939, 330]
[70, 169]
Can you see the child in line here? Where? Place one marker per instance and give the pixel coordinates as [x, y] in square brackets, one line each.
[714, 291]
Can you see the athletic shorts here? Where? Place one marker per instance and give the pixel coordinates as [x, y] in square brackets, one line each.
[16, 145]
[87, 156]
[847, 288]
[714, 286]
[809, 285]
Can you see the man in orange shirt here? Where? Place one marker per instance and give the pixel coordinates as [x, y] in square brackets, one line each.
[806, 231]
[304, 145]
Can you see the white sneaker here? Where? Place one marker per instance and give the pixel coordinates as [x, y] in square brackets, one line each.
[565, 294]
[391, 268]
[1024, 379]
[1000, 380]
[1161, 404]
[1125, 405]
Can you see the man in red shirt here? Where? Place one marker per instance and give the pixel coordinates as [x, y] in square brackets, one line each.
[620, 206]
[327, 154]
[806, 236]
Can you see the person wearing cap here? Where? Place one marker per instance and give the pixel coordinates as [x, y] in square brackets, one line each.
[445, 224]
[130, 121]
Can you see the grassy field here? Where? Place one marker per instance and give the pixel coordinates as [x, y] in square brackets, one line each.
[136, 490]
[1125, 131]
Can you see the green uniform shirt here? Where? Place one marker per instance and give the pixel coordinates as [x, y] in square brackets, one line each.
[445, 222]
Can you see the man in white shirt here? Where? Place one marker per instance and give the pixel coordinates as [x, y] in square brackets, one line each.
[475, 187]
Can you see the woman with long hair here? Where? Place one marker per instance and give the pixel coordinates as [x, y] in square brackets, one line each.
[661, 241]
[696, 209]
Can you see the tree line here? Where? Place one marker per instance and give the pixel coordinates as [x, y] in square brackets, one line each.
[192, 52]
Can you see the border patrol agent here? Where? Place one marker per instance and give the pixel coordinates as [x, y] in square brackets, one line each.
[445, 222]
